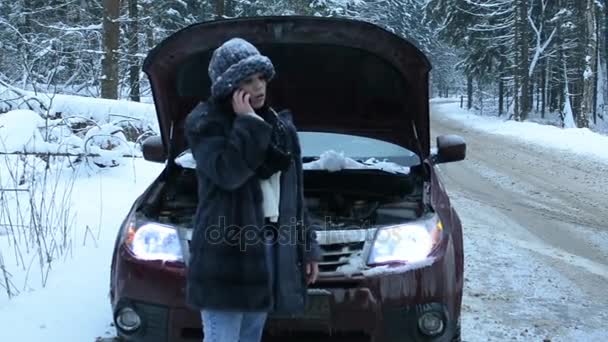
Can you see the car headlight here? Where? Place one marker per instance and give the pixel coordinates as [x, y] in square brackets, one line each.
[153, 241]
[406, 243]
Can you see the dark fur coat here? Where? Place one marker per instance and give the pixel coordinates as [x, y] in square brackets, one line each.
[228, 267]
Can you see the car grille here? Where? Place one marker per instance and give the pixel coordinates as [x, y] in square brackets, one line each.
[336, 255]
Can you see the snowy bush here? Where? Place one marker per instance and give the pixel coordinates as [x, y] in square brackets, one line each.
[97, 131]
[45, 143]
[35, 215]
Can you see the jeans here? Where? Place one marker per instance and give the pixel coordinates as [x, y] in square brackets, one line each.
[232, 326]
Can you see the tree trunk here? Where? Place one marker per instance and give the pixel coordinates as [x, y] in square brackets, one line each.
[109, 63]
[480, 88]
[544, 82]
[501, 94]
[605, 51]
[589, 60]
[516, 99]
[25, 25]
[133, 49]
[220, 9]
[469, 92]
[538, 90]
[555, 77]
[521, 46]
[531, 91]
[596, 64]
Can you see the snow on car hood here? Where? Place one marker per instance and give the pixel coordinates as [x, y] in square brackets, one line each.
[333, 161]
[330, 160]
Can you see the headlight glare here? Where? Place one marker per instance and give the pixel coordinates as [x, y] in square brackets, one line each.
[406, 243]
[153, 241]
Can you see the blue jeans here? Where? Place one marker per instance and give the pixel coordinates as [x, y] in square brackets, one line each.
[232, 326]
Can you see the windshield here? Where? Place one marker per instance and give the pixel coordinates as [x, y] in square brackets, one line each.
[335, 151]
[356, 147]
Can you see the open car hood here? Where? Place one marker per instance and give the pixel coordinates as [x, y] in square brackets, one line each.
[335, 75]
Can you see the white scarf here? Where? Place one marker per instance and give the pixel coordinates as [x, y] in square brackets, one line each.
[271, 192]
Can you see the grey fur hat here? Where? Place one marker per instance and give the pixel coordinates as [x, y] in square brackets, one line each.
[234, 61]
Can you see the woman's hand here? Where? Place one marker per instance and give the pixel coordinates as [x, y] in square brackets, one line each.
[312, 272]
[241, 105]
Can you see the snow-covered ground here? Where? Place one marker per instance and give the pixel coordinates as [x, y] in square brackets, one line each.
[536, 240]
[527, 291]
[74, 305]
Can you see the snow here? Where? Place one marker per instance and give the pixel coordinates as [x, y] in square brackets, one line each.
[74, 305]
[568, 114]
[172, 12]
[355, 265]
[333, 161]
[384, 270]
[100, 110]
[318, 292]
[533, 290]
[186, 160]
[77, 28]
[532, 298]
[580, 141]
[588, 73]
[19, 130]
[49, 296]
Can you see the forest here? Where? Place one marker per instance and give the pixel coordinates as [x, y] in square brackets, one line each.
[517, 58]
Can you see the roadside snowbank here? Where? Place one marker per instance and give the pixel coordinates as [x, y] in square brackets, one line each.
[581, 141]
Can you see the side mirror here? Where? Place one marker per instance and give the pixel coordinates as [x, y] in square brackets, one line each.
[154, 150]
[450, 148]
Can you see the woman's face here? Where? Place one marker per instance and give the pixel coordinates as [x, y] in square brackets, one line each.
[255, 86]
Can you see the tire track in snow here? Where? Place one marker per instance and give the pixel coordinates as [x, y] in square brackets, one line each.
[536, 239]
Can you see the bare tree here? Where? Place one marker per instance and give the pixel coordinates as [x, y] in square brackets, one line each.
[133, 39]
[111, 34]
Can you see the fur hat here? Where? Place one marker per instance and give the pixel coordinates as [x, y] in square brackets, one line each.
[234, 61]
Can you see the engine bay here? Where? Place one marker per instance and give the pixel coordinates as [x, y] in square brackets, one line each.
[347, 199]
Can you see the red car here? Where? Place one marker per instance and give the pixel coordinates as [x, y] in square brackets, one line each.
[392, 246]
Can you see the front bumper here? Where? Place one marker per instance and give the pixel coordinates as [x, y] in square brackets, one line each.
[380, 308]
[165, 324]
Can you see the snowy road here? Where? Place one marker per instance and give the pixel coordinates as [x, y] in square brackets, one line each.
[536, 238]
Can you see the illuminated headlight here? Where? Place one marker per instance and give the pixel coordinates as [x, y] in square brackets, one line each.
[153, 241]
[406, 243]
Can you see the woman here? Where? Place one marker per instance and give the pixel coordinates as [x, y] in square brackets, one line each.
[252, 251]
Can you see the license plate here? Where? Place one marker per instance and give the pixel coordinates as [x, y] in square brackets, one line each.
[317, 307]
